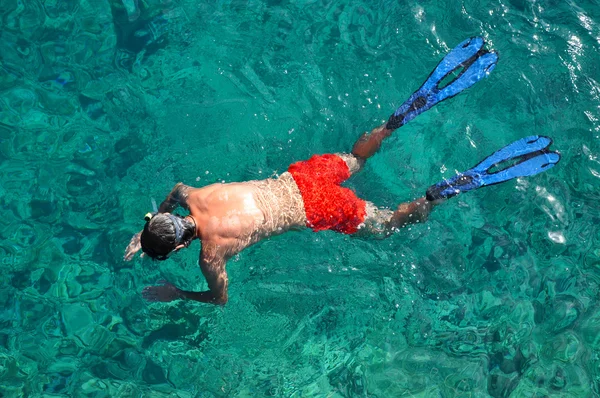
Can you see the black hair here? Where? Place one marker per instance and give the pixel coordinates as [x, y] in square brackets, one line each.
[164, 232]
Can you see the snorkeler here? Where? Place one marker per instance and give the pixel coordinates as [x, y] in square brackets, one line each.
[227, 218]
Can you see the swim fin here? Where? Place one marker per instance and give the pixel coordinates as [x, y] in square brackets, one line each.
[474, 63]
[530, 156]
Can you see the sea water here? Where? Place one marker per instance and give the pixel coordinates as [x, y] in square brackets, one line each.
[105, 105]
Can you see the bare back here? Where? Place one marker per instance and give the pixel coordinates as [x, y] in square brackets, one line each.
[237, 215]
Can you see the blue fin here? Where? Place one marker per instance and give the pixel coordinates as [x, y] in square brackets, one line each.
[476, 63]
[531, 155]
[521, 147]
[541, 161]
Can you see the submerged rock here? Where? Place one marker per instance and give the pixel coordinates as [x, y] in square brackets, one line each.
[77, 319]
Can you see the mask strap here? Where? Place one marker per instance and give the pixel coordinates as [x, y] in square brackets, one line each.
[178, 228]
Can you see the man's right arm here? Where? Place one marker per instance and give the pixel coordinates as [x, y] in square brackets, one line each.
[177, 197]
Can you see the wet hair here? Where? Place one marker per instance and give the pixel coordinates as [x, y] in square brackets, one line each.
[164, 232]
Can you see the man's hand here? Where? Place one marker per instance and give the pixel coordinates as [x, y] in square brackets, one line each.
[164, 293]
[134, 246]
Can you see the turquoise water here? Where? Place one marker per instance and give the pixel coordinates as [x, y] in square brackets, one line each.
[107, 104]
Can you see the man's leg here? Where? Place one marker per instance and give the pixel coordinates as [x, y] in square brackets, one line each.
[380, 223]
[353, 162]
[369, 143]
[474, 63]
[365, 147]
[410, 213]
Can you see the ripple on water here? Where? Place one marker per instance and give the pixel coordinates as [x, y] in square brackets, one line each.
[105, 104]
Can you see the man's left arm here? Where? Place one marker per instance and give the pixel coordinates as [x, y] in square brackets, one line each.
[212, 264]
[177, 197]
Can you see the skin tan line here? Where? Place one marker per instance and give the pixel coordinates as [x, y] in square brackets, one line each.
[231, 217]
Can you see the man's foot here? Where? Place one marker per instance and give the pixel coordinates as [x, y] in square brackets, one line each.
[163, 293]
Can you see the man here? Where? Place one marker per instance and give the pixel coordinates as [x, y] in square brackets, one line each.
[227, 218]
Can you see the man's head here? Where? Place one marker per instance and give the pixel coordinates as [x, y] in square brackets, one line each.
[164, 233]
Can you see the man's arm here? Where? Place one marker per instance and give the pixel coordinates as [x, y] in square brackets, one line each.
[177, 197]
[212, 264]
[134, 246]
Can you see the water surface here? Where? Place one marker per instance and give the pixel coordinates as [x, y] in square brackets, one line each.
[106, 104]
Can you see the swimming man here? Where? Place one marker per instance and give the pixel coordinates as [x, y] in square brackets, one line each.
[227, 218]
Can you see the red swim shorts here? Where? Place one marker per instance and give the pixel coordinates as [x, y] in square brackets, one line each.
[326, 203]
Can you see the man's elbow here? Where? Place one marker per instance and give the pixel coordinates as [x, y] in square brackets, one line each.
[220, 299]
